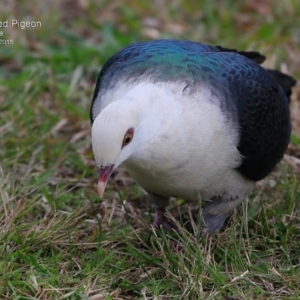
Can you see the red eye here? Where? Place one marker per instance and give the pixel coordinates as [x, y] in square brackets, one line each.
[128, 137]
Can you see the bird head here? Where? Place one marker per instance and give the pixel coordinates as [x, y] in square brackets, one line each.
[113, 139]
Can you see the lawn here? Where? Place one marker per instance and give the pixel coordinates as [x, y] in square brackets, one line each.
[58, 239]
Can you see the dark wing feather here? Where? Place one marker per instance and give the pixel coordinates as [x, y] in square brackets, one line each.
[263, 114]
[285, 81]
[253, 55]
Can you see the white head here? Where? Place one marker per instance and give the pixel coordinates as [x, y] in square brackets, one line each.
[114, 138]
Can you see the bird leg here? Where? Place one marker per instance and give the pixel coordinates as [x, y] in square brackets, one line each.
[216, 212]
[160, 219]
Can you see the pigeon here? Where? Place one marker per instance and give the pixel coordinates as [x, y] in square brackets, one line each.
[190, 121]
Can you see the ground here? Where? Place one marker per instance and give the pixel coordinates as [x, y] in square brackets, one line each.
[58, 240]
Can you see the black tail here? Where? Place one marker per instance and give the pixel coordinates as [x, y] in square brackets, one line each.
[285, 81]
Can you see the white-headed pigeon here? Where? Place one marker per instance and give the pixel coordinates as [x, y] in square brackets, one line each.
[192, 121]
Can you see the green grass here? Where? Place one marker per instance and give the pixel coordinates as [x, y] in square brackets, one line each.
[58, 240]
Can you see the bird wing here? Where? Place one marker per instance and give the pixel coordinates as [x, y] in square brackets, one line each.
[262, 101]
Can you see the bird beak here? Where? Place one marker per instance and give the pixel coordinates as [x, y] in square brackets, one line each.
[104, 175]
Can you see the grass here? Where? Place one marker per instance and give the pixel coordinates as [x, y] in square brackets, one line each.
[58, 240]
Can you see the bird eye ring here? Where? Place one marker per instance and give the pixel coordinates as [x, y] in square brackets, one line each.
[128, 137]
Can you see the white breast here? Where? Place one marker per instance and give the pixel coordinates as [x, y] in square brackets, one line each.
[194, 151]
